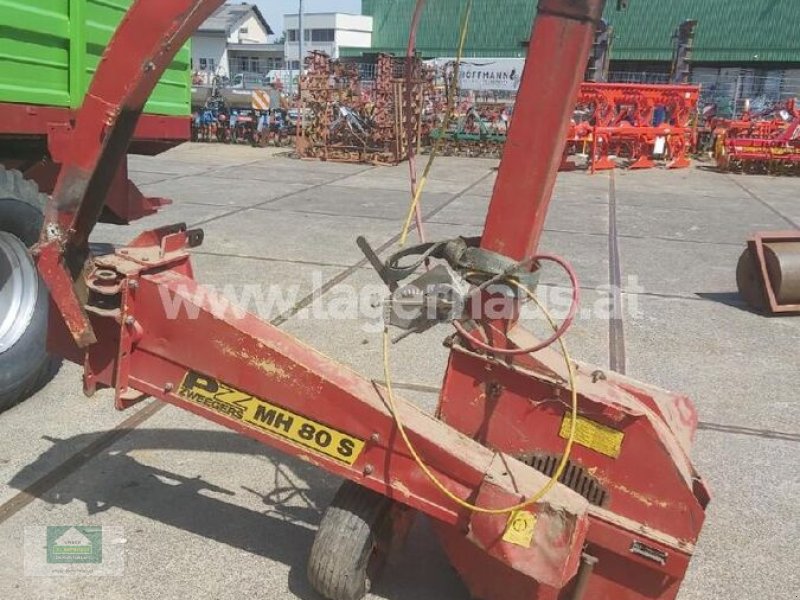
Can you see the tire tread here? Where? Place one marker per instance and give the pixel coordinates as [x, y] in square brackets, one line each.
[337, 568]
[14, 186]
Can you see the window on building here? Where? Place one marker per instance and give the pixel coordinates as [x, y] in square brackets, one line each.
[291, 35]
[212, 64]
[323, 35]
[203, 64]
[244, 30]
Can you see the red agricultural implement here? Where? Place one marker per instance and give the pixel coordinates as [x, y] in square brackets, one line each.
[764, 143]
[639, 123]
[346, 120]
[37, 142]
[545, 479]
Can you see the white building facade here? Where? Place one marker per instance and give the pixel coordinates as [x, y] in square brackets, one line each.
[325, 32]
[235, 39]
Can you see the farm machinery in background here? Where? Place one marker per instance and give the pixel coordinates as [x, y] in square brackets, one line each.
[768, 272]
[543, 480]
[642, 124]
[478, 129]
[349, 119]
[254, 115]
[257, 127]
[766, 141]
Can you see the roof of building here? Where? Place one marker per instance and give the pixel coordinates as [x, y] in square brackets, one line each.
[228, 16]
[250, 47]
[496, 28]
[324, 14]
[728, 30]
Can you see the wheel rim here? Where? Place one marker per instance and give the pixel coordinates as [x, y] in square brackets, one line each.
[19, 288]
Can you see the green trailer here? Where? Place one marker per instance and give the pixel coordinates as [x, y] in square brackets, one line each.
[49, 52]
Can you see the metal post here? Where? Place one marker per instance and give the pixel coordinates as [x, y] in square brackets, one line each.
[736, 94]
[300, 39]
[563, 31]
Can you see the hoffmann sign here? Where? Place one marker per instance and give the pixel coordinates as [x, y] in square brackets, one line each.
[501, 75]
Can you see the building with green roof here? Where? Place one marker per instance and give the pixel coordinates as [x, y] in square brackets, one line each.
[757, 34]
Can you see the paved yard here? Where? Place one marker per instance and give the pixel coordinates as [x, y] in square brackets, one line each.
[206, 514]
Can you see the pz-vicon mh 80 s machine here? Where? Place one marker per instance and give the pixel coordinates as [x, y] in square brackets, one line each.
[544, 478]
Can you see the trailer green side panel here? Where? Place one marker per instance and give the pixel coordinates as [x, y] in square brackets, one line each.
[50, 49]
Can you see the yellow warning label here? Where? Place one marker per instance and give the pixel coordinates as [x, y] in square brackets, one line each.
[270, 418]
[520, 528]
[595, 436]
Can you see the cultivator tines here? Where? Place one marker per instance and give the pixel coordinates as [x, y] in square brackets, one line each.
[765, 143]
[387, 125]
[641, 124]
[476, 129]
[345, 120]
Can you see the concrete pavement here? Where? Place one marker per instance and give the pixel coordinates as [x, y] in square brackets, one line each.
[207, 514]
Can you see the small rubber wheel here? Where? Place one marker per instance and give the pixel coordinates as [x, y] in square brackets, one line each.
[25, 366]
[750, 283]
[352, 544]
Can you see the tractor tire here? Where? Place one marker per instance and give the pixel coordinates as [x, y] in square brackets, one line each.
[352, 543]
[25, 366]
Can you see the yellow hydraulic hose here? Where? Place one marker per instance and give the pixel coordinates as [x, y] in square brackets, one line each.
[435, 480]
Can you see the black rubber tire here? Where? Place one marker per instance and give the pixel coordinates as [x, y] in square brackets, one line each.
[25, 367]
[351, 546]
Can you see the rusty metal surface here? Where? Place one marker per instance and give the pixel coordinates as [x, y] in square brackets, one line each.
[749, 281]
[145, 351]
[248, 376]
[783, 266]
[350, 120]
[768, 273]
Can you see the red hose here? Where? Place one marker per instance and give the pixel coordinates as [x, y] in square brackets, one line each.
[576, 296]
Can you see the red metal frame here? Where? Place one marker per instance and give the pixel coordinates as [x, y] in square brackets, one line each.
[621, 123]
[756, 245]
[34, 120]
[52, 128]
[255, 379]
[766, 140]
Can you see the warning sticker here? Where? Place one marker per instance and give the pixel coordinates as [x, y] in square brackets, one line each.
[595, 436]
[270, 418]
[520, 528]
